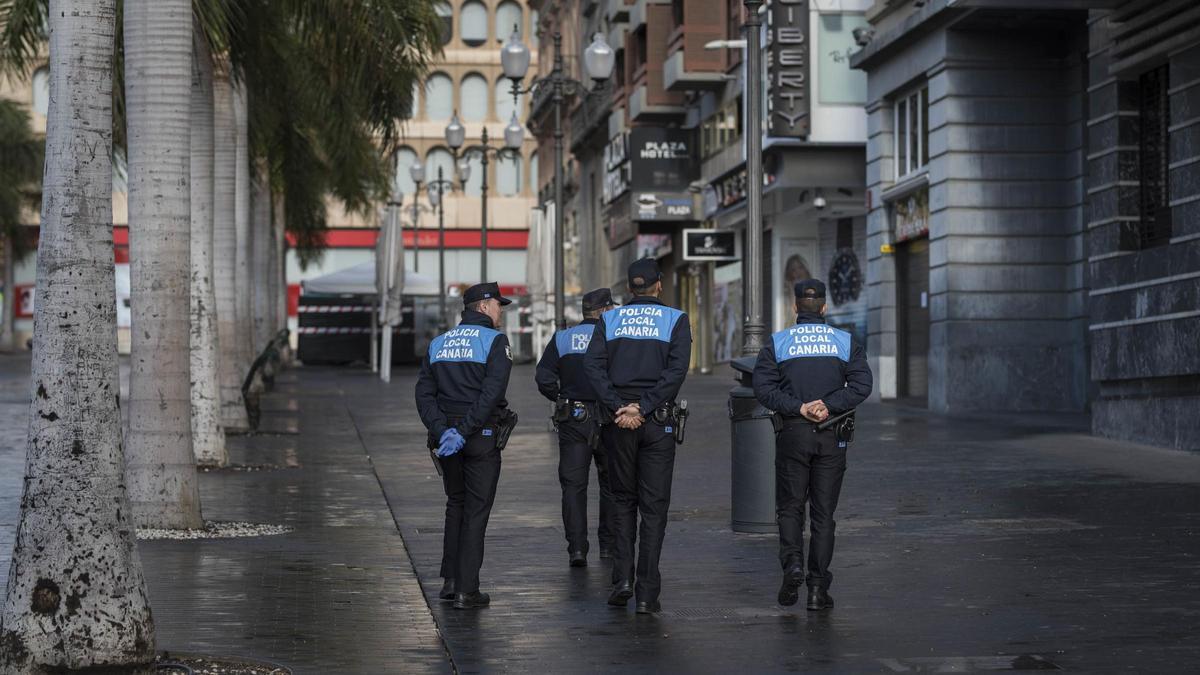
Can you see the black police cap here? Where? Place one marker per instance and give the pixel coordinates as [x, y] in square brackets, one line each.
[643, 273]
[809, 288]
[597, 299]
[484, 291]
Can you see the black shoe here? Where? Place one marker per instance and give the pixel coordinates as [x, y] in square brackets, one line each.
[649, 607]
[471, 600]
[606, 554]
[449, 590]
[621, 593]
[819, 599]
[578, 559]
[789, 590]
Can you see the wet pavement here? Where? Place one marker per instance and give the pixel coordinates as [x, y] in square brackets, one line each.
[988, 543]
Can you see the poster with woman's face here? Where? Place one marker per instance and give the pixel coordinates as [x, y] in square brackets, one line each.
[795, 268]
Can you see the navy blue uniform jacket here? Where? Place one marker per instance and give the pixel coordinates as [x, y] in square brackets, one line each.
[464, 375]
[811, 361]
[560, 372]
[639, 354]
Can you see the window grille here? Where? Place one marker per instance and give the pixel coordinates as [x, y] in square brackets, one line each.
[1154, 114]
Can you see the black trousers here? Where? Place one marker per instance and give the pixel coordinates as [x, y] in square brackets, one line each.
[641, 464]
[809, 467]
[575, 456]
[470, 478]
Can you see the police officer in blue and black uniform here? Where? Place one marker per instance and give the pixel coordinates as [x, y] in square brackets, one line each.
[805, 374]
[460, 398]
[637, 360]
[561, 378]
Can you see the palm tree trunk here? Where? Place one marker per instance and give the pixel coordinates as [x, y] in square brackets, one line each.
[260, 273]
[208, 439]
[161, 469]
[242, 232]
[76, 596]
[233, 409]
[279, 230]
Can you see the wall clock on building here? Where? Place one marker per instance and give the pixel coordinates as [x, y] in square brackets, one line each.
[845, 278]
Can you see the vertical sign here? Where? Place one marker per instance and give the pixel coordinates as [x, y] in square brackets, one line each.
[788, 69]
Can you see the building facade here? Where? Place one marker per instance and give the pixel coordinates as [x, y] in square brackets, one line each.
[1033, 235]
[657, 153]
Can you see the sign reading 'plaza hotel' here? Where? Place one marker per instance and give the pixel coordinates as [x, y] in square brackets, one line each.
[788, 100]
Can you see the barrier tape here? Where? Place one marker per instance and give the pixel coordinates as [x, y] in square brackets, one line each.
[337, 330]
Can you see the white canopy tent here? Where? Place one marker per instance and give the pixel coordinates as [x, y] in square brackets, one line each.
[360, 280]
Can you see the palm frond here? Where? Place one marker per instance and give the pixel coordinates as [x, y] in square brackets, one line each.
[24, 34]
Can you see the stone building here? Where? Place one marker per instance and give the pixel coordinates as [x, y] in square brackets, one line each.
[1034, 232]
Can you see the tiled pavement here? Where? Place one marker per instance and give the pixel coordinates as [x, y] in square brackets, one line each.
[964, 544]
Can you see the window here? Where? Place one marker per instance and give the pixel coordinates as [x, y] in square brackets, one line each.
[722, 129]
[474, 93]
[439, 97]
[835, 38]
[508, 176]
[439, 158]
[41, 91]
[1154, 187]
[508, 18]
[911, 133]
[733, 31]
[405, 157]
[504, 100]
[473, 22]
[446, 13]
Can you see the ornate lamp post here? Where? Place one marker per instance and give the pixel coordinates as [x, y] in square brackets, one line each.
[455, 137]
[598, 61]
[753, 329]
[435, 189]
[417, 173]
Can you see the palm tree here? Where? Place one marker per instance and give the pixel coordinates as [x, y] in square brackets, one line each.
[242, 233]
[158, 65]
[208, 438]
[233, 408]
[21, 159]
[76, 596]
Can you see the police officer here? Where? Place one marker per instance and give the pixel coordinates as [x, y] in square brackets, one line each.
[637, 361]
[560, 378]
[460, 398]
[807, 373]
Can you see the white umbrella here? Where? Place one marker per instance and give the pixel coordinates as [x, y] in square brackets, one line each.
[389, 278]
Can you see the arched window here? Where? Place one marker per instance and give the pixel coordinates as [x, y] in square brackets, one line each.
[473, 23]
[504, 100]
[405, 156]
[416, 100]
[439, 97]
[446, 13]
[508, 16]
[474, 95]
[508, 176]
[440, 157]
[534, 180]
[41, 91]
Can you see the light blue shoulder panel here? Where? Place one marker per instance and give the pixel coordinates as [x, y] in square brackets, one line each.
[464, 344]
[641, 322]
[574, 340]
[811, 339]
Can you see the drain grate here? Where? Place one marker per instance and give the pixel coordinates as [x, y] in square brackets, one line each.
[967, 664]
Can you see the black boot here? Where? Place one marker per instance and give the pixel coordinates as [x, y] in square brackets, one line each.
[449, 588]
[818, 599]
[648, 607]
[578, 559]
[789, 590]
[622, 591]
[471, 600]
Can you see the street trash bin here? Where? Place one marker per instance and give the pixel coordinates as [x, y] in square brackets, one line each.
[753, 455]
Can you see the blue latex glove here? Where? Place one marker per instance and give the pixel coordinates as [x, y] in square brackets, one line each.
[450, 442]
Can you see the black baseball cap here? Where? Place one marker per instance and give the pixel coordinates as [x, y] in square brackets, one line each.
[484, 291]
[809, 288]
[643, 273]
[597, 299]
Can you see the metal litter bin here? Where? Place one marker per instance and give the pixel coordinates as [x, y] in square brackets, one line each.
[753, 455]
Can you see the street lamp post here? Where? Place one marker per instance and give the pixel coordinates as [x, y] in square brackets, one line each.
[598, 61]
[436, 189]
[455, 137]
[417, 173]
[753, 329]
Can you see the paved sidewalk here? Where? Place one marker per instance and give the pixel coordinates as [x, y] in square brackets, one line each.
[336, 595]
[964, 544]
